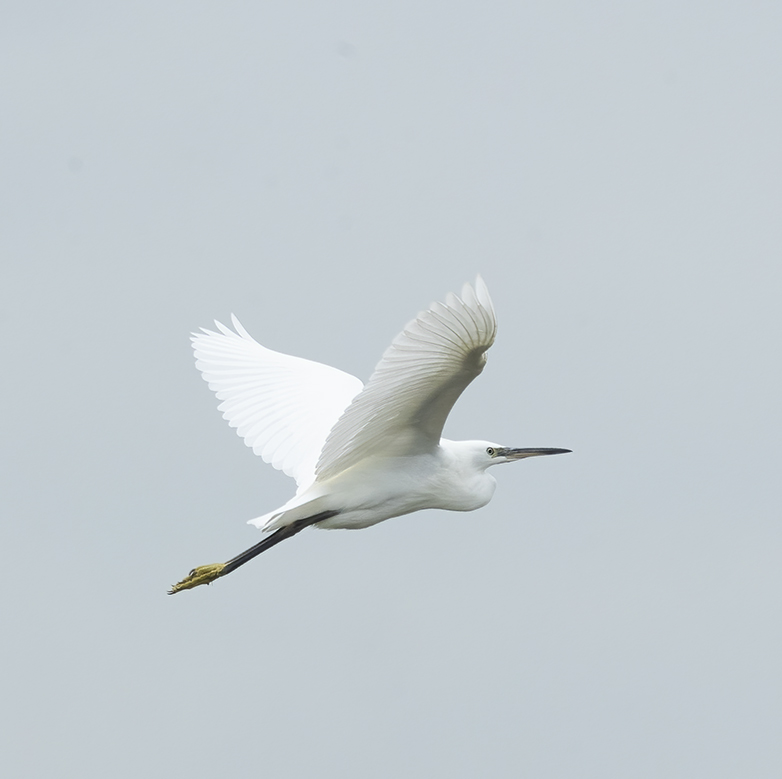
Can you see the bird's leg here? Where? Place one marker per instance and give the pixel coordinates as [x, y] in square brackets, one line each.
[205, 574]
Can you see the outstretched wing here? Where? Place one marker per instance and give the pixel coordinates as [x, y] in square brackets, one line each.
[405, 403]
[282, 406]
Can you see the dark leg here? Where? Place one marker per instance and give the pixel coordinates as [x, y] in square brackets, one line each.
[205, 574]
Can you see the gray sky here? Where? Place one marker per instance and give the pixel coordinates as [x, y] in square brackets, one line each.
[325, 171]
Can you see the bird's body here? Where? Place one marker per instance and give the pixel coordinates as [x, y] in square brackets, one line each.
[383, 487]
[360, 454]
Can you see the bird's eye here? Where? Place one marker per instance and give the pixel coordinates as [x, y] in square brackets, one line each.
[491, 451]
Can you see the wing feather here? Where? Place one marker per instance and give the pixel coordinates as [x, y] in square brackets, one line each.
[282, 406]
[405, 403]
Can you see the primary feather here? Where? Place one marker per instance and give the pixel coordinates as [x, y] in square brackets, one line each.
[282, 406]
[405, 403]
[313, 421]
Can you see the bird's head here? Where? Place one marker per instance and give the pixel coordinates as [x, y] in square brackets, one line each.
[487, 453]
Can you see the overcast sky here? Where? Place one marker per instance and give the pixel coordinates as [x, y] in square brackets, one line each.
[325, 170]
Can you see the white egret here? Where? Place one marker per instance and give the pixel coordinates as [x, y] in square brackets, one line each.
[359, 454]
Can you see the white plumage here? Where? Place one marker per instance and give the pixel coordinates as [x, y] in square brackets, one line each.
[282, 406]
[360, 454]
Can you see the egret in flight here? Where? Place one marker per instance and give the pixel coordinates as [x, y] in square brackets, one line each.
[359, 453]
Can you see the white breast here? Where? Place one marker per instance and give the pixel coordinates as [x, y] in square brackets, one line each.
[377, 490]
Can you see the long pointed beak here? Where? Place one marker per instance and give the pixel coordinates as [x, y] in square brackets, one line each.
[520, 454]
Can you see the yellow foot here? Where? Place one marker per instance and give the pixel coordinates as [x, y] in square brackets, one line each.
[204, 574]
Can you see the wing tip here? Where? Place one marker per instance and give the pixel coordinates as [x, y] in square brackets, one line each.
[241, 332]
